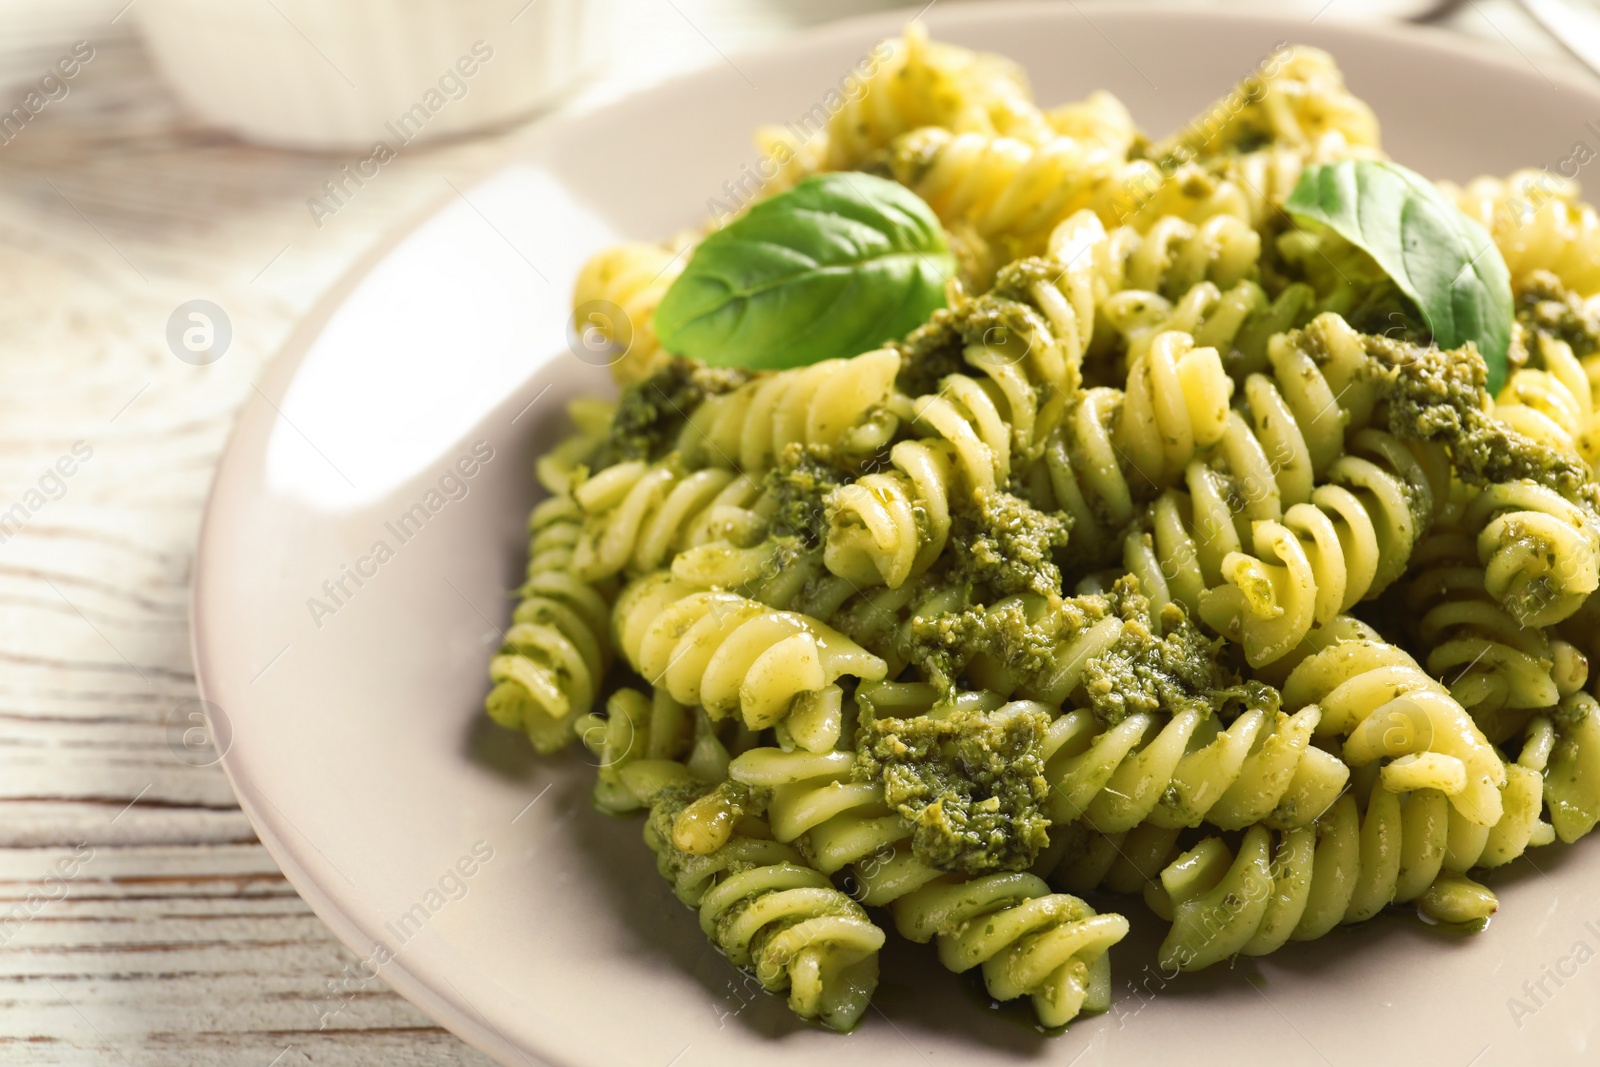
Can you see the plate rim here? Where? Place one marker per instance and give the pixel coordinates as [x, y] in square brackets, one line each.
[280, 369]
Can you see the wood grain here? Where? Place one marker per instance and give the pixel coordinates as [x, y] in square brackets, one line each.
[175, 940]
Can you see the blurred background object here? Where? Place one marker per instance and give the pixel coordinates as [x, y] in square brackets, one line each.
[320, 74]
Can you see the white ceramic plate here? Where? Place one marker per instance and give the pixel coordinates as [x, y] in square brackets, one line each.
[358, 746]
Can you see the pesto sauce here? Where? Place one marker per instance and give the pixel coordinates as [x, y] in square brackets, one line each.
[652, 412]
[1002, 317]
[797, 489]
[1022, 634]
[1146, 672]
[929, 353]
[971, 784]
[1439, 395]
[1545, 306]
[1002, 545]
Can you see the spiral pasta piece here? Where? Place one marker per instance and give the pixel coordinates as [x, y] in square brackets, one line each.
[1250, 186]
[1030, 941]
[1082, 474]
[1050, 947]
[1035, 327]
[1046, 309]
[891, 526]
[1393, 840]
[638, 745]
[838, 404]
[615, 299]
[1552, 404]
[1114, 447]
[1300, 884]
[1006, 192]
[972, 423]
[1294, 434]
[908, 83]
[1298, 99]
[1174, 406]
[1386, 707]
[732, 654]
[1550, 314]
[1260, 768]
[638, 515]
[1085, 860]
[1099, 119]
[1538, 223]
[1345, 541]
[1282, 527]
[1495, 667]
[1292, 423]
[1244, 154]
[1540, 551]
[984, 920]
[818, 806]
[1572, 768]
[1175, 255]
[1264, 178]
[1135, 274]
[1238, 322]
[556, 468]
[1021, 413]
[1144, 191]
[556, 652]
[768, 911]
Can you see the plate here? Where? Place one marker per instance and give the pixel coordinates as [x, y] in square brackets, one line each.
[366, 523]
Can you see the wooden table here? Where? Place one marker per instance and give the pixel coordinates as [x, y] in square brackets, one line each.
[140, 920]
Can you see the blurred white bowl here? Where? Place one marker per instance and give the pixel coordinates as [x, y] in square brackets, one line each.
[326, 74]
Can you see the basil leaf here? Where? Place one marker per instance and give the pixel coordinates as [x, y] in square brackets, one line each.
[833, 267]
[1445, 262]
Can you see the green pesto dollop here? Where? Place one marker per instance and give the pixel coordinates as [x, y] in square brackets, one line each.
[1147, 671]
[1022, 635]
[1439, 394]
[929, 353]
[797, 488]
[652, 412]
[1545, 306]
[971, 783]
[1004, 318]
[1002, 546]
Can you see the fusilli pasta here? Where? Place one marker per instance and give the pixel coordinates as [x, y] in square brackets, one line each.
[1386, 707]
[615, 302]
[1078, 586]
[555, 654]
[1538, 223]
[768, 911]
[731, 654]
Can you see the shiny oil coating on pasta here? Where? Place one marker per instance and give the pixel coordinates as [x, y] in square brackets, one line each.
[1170, 558]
